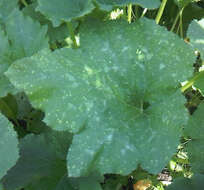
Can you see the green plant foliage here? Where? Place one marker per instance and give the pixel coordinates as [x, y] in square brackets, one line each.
[196, 33]
[8, 146]
[91, 103]
[24, 38]
[114, 87]
[54, 33]
[199, 82]
[6, 8]
[42, 162]
[109, 4]
[183, 3]
[196, 183]
[195, 146]
[64, 11]
[27, 37]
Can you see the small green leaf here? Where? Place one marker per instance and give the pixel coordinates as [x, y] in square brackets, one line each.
[8, 146]
[110, 4]
[8, 106]
[6, 86]
[63, 10]
[196, 33]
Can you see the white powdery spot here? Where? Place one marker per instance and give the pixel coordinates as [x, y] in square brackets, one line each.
[125, 49]
[123, 151]
[161, 66]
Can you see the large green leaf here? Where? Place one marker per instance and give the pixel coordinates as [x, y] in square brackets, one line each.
[196, 35]
[114, 92]
[64, 10]
[8, 146]
[195, 148]
[109, 4]
[42, 161]
[196, 183]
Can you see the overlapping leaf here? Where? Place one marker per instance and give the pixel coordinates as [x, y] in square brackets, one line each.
[42, 162]
[54, 33]
[195, 149]
[26, 38]
[114, 92]
[64, 11]
[196, 33]
[182, 3]
[110, 4]
[8, 146]
[6, 8]
[196, 183]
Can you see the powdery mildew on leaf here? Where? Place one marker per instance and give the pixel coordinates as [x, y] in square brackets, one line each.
[8, 146]
[118, 92]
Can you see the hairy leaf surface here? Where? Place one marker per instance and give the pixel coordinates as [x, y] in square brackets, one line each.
[8, 146]
[114, 92]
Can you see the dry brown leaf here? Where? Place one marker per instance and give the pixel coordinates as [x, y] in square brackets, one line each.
[142, 184]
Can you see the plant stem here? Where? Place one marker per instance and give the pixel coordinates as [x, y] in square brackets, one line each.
[181, 23]
[72, 35]
[175, 21]
[24, 3]
[129, 13]
[160, 12]
[136, 11]
[144, 12]
[191, 81]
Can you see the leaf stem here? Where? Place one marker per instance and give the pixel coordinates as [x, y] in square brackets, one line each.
[72, 35]
[144, 12]
[160, 12]
[129, 13]
[24, 3]
[181, 23]
[176, 19]
[191, 81]
[137, 11]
